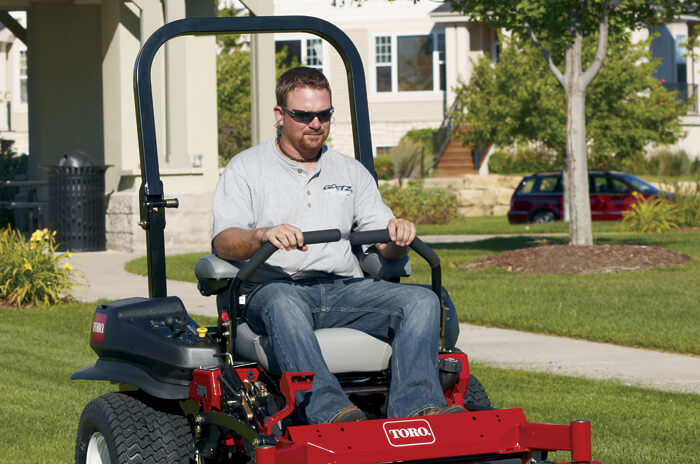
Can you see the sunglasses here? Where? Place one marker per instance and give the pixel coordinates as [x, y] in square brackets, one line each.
[305, 117]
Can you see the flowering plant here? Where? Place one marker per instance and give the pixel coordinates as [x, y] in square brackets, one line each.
[31, 272]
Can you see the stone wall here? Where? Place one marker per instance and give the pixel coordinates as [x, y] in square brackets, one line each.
[187, 229]
[479, 195]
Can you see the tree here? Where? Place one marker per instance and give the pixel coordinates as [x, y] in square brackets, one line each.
[557, 28]
[519, 101]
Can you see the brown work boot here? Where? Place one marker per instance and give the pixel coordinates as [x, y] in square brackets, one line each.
[349, 414]
[450, 409]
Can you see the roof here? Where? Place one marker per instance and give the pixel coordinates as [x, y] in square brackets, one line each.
[445, 13]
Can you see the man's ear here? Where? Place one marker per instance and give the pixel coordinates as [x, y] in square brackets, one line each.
[279, 115]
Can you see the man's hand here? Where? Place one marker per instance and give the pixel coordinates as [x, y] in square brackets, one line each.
[283, 236]
[402, 234]
[401, 231]
[241, 244]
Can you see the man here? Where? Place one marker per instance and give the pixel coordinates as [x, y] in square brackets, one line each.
[274, 191]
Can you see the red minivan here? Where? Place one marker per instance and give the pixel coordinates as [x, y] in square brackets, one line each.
[539, 197]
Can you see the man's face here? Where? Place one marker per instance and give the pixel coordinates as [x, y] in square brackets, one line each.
[307, 139]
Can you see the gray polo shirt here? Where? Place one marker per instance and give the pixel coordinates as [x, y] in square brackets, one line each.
[260, 188]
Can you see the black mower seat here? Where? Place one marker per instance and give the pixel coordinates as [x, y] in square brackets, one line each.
[344, 349]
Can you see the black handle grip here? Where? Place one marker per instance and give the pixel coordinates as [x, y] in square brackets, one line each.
[262, 255]
[369, 237]
[321, 236]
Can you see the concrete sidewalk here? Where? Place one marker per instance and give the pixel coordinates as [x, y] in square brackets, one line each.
[105, 278]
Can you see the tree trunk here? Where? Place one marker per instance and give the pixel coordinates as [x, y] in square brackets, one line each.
[580, 229]
[566, 182]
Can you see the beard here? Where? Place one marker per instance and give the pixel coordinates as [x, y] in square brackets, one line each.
[310, 142]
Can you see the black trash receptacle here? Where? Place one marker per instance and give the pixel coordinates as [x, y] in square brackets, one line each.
[76, 209]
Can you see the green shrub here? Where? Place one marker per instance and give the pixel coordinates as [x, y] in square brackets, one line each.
[424, 137]
[501, 162]
[686, 200]
[675, 163]
[407, 160]
[420, 205]
[651, 215]
[30, 271]
[522, 160]
[384, 166]
[662, 162]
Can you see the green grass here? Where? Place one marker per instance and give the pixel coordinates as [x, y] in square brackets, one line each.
[628, 424]
[481, 225]
[657, 309]
[41, 406]
[179, 267]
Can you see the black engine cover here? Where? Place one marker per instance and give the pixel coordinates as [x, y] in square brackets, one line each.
[154, 334]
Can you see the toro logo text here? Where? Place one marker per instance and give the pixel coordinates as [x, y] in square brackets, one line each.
[409, 432]
[98, 328]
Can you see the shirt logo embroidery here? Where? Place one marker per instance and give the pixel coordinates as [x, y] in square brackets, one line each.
[338, 188]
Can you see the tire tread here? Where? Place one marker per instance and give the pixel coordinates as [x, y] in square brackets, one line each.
[140, 432]
[476, 393]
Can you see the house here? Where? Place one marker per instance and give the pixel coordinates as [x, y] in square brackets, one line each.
[679, 70]
[14, 96]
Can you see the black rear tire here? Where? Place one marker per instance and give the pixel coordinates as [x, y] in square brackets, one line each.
[476, 394]
[130, 429]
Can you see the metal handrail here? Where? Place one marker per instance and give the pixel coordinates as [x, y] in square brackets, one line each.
[35, 209]
[443, 136]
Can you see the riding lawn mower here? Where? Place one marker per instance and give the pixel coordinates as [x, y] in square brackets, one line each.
[192, 394]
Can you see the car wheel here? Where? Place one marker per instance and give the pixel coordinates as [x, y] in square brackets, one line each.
[542, 217]
[117, 427]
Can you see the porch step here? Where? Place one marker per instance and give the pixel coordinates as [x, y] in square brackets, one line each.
[456, 161]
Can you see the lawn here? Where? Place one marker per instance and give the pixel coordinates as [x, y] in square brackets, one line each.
[491, 225]
[657, 309]
[41, 406]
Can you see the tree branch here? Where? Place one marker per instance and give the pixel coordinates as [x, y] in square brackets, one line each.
[597, 63]
[548, 59]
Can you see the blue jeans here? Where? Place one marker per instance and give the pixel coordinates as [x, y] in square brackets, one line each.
[407, 316]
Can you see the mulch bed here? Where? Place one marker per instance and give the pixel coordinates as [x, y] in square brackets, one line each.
[569, 259]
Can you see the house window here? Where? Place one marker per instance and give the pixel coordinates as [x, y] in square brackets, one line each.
[314, 53]
[384, 151]
[409, 63]
[383, 54]
[310, 54]
[415, 62]
[23, 92]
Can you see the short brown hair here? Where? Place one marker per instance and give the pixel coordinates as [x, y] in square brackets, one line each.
[299, 78]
